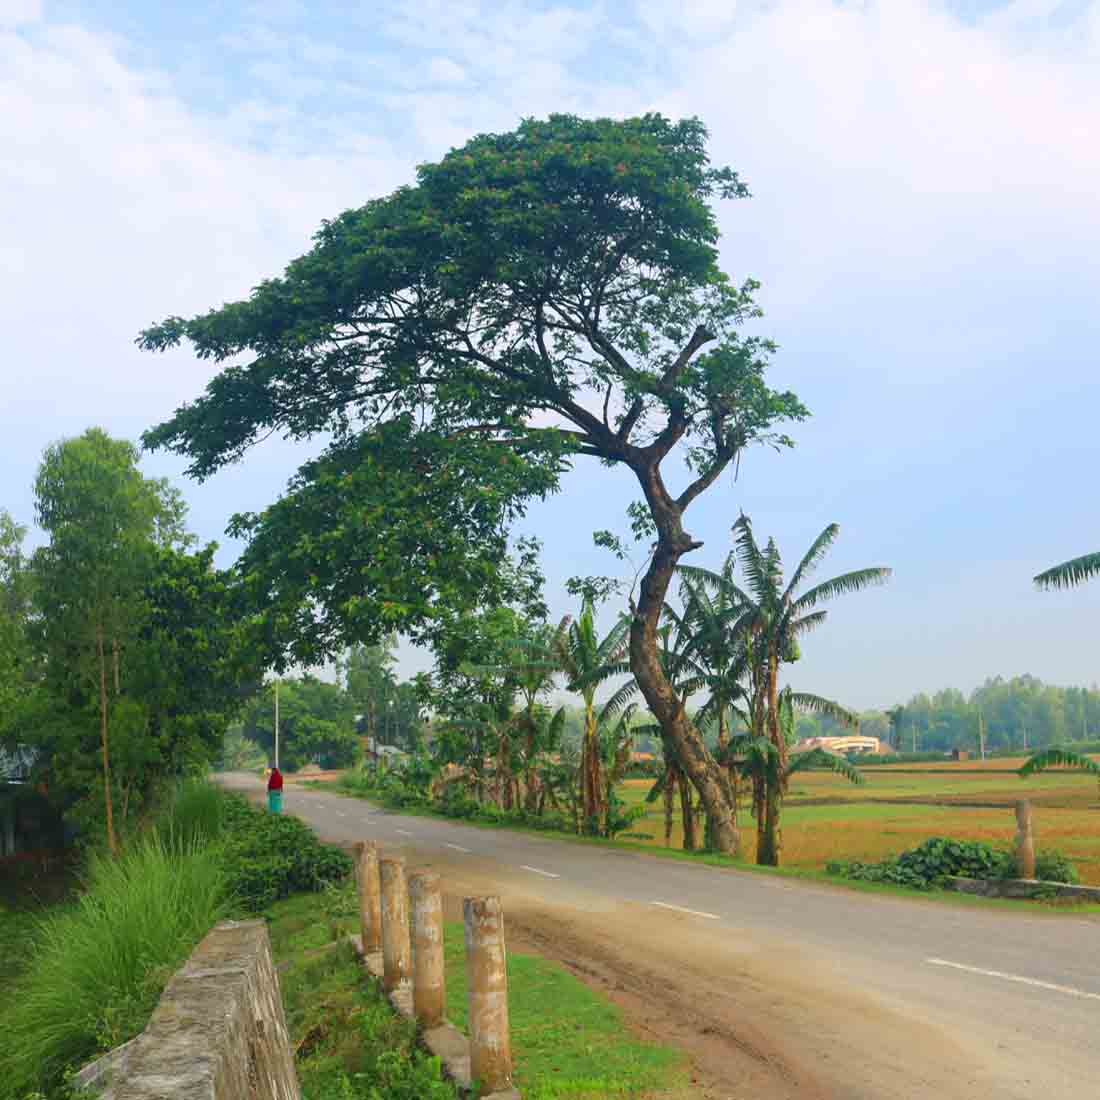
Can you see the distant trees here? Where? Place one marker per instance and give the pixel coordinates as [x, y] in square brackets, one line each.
[1019, 713]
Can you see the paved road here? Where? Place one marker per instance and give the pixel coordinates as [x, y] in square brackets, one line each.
[1015, 997]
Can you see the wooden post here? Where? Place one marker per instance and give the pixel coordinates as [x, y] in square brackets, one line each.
[487, 983]
[1025, 842]
[429, 989]
[370, 901]
[396, 967]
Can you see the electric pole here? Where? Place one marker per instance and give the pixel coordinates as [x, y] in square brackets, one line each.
[276, 725]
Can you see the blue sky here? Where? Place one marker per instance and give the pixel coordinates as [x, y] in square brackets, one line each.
[924, 223]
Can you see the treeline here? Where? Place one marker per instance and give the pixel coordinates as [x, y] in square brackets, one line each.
[1017, 713]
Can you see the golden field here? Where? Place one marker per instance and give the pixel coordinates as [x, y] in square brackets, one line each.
[827, 818]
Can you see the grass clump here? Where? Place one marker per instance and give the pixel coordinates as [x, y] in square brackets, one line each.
[100, 962]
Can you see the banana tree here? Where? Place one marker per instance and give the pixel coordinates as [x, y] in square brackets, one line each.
[760, 761]
[673, 781]
[589, 661]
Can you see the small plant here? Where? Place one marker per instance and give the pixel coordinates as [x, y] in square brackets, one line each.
[1052, 866]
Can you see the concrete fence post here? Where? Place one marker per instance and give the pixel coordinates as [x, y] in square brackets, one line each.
[370, 900]
[487, 984]
[429, 988]
[396, 968]
[1025, 841]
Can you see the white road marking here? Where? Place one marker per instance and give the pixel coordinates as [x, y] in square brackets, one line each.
[457, 847]
[548, 874]
[681, 909]
[1067, 989]
[404, 832]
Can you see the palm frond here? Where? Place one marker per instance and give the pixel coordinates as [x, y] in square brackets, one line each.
[753, 562]
[816, 704]
[1058, 756]
[619, 700]
[819, 758]
[1070, 573]
[818, 549]
[855, 581]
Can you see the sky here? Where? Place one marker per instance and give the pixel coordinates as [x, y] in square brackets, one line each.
[924, 222]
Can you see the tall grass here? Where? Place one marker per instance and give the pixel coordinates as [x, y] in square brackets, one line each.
[193, 816]
[100, 964]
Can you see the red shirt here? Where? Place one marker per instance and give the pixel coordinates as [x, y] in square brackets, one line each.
[275, 783]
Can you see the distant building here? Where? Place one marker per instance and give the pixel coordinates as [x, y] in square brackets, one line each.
[842, 746]
[960, 754]
[642, 758]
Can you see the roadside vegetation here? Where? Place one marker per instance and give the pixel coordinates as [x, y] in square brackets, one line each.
[96, 964]
[568, 1041]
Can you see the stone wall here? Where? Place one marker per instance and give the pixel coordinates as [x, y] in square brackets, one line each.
[218, 1033]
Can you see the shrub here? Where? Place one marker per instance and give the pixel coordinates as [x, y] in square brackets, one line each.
[1052, 866]
[270, 856]
[98, 966]
[930, 864]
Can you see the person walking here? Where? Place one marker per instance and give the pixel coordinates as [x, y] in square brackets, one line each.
[275, 791]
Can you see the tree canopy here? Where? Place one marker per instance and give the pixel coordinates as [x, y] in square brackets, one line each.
[538, 295]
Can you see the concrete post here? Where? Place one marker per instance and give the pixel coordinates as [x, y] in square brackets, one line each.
[487, 984]
[370, 900]
[429, 988]
[1025, 842]
[396, 969]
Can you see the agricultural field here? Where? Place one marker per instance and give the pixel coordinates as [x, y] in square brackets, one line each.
[827, 818]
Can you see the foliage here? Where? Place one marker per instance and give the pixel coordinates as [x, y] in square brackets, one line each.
[930, 864]
[136, 649]
[1051, 866]
[271, 856]
[99, 964]
[316, 723]
[536, 297]
[388, 711]
[1070, 573]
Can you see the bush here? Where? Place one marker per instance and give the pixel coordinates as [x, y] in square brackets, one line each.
[270, 856]
[99, 965]
[1052, 866]
[928, 865]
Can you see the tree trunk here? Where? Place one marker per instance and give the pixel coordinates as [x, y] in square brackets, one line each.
[530, 779]
[112, 842]
[114, 648]
[687, 814]
[662, 701]
[770, 840]
[591, 782]
[670, 794]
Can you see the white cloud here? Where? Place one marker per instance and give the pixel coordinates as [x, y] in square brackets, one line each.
[15, 13]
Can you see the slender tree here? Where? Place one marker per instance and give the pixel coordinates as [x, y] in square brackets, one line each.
[536, 297]
[101, 516]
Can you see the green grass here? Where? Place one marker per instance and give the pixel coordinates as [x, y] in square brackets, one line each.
[567, 1040]
[350, 1044]
[100, 962]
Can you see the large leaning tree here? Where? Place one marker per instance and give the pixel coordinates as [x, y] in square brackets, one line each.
[535, 298]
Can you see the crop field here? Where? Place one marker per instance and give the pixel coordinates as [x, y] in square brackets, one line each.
[826, 818]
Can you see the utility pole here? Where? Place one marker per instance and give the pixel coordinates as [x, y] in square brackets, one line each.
[981, 734]
[276, 725]
[913, 731]
[1025, 738]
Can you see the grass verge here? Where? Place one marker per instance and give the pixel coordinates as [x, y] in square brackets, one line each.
[567, 1040]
